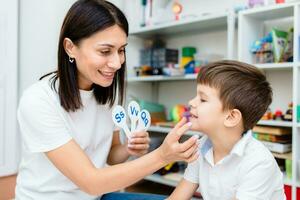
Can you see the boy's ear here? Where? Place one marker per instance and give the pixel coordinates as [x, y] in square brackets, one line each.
[233, 118]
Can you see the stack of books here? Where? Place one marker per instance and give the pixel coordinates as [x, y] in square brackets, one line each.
[276, 139]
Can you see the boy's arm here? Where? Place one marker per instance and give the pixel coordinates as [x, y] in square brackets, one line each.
[184, 191]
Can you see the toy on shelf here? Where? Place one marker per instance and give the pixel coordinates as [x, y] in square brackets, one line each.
[256, 3]
[156, 110]
[187, 59]
[262, 50]
[288, 50]
[268, 115]
[142, 118]
[279, 43]
[288, 116]
[298, 113]
[276, 46]
[172, 167]
[277, 115]
[177, 9]
[179, 111]
[155, 56]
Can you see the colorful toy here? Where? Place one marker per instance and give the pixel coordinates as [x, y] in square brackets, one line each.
[298, 113]
[177, 9]
[279, 43]
[255, 3]
[179, 111]
[262, 49]
[288, 50]
[288, 116]
[187, 59]
[277, 115]
[268, 115]
[142, 117]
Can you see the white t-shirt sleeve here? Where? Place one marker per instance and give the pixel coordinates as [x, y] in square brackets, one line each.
[191, 173]
[43, 127]
[259, 181]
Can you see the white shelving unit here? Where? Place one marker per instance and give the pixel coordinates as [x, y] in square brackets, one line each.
[205, 23]
[193, 24]
[252, 25]
[162, 78]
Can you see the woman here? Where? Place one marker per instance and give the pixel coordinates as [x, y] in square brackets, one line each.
[66, 122]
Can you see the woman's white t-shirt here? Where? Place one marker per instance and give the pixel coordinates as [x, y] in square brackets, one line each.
[45, 126]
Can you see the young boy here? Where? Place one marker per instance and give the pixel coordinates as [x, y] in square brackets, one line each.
[231, 97]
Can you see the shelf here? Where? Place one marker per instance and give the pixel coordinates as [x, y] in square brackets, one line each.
[271, 66]
[161, 78]
[270, 12]
[197, 23]
[283, 155]
[275, 123]
[167, 130]
[298, 124]
[159, 179]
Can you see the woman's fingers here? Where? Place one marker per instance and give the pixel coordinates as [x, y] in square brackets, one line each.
[189, 143]
[193, 157]
[140, 134]
[189, 152]
[177, 133]
[144, 140]
[180, 123]
[138, 146]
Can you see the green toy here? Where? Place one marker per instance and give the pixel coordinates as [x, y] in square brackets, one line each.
[279, 44]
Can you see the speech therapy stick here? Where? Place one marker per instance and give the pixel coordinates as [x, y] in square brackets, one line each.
[133, 112]
[144, 120]
[119, 118]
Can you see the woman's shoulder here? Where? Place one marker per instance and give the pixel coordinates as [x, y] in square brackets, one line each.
[40, 90]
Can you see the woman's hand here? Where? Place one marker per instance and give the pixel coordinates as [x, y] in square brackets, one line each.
[171, 150]
[138, 144]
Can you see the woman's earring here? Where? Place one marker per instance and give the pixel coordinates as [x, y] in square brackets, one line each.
[71, 60]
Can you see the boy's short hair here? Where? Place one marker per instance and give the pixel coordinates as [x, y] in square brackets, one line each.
[241, 86]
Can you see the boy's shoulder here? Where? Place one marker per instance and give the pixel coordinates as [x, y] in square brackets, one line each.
[256, 150]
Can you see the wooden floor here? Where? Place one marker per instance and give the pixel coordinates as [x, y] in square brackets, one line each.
[7, 187]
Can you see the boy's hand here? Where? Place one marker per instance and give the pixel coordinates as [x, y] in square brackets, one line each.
[171, 150]
[138, 144]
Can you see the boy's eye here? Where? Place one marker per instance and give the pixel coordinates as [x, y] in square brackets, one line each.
[122, 51]
[202, 100]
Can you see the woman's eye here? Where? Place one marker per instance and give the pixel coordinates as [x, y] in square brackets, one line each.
[105, 52]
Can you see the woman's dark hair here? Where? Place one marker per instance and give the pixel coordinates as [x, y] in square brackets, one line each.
[85, 18]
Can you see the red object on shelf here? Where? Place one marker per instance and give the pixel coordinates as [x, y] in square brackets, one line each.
[280, 1]
[288, 192]
[298, 194]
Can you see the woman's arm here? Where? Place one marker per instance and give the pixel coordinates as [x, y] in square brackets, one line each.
[118, 153]
[74, 164]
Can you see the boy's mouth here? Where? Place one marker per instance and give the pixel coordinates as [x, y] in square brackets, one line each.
[193, 116]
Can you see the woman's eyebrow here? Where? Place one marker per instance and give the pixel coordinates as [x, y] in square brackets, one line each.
[110, 45]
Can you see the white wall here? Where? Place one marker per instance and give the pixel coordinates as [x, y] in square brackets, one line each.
[8, 86]
[40, 23]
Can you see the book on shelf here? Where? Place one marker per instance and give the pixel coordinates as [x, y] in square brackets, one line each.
[278, 147]
[272, 130]
[273, 138]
